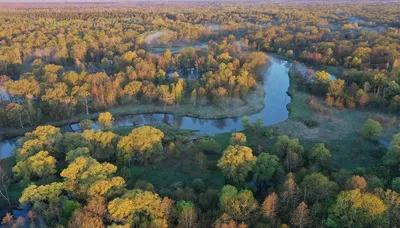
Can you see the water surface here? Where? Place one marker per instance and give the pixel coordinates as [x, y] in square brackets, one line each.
[276, 83]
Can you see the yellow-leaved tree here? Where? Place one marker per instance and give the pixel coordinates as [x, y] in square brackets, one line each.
[143, 143]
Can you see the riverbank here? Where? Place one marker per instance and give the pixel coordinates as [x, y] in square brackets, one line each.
[340, 131]
[252, 103]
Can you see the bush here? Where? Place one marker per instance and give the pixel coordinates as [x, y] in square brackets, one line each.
[311, 123]
[144, 185]
[209, 146]
[317, 107]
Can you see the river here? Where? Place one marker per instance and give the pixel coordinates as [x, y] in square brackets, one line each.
[276, 83]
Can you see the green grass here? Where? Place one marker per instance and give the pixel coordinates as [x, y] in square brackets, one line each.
[165, 174]
[340, 131]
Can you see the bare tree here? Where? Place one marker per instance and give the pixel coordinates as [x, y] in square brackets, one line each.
[270, 205]
[188, 218]
[4, 183]
[301, 217]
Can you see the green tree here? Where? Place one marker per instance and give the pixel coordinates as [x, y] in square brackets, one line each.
[17, 114]
[396, 184]
[236, 162]
[320, 157]
[266, 166]
[371, 129]
[288, 149]
[318, 188]
[392, 156]
[86, 124]
[182, 205]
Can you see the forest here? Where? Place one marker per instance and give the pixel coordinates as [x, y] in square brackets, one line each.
[200, 114]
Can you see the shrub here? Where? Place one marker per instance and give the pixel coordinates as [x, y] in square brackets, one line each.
[209, 146]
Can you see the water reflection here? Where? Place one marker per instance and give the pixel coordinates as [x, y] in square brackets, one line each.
[276, 83]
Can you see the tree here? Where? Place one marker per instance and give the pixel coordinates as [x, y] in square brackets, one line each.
[4, 184]
[392, 156]
[132, 89]
[362, 97]
[83, 218]
[288, 149]
[396, 184]
[239, 205]
[193, 97]
[371, 128]
[34, 193]
[105, 120]
[72, 141]
[266, 166]
[78, 152]
[301, 217]
[357, 182]
[138, 209]
[91, 216]
[270, 205]
[321, 80]
[86, 177]
[320, 157]
[102, 144]
[224, 58]
[290, 193]
[43, 138]
[336, 87]
[238, 138]
[317, 188]
[39, 165]
[86, 124]
[166, 96]
[82, 96]
[236, 162]
[182, 205]
[61, 103]
[17, 114]
[392, 201]
[356, 209]
[179, 90]
[143, 142]
[188, 218]
[186, 213]
[23, 88]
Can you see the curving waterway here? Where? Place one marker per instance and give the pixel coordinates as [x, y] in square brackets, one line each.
[276, 83]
